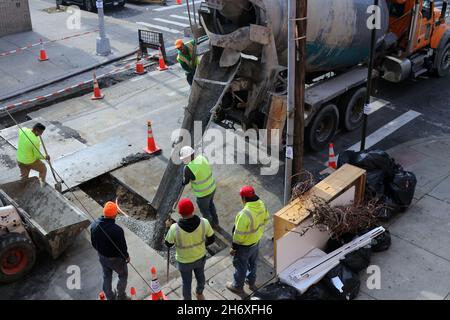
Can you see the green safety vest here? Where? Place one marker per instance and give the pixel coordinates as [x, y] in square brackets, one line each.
[186, 59]
[204, 183]
[190, 247]
[250, 223]
[28, 146]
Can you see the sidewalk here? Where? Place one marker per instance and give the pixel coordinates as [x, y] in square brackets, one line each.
[22, 71]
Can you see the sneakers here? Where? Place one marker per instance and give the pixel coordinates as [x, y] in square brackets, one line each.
[233, 289]
[200, 296]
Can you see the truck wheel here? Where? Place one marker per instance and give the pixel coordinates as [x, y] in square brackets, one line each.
[322, 128]
[443, 63]
[17, 257]
[352, 109]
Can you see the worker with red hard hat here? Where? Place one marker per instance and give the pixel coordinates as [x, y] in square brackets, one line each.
[249, 226]
[109, 240]
[187, 58]
[190, 235]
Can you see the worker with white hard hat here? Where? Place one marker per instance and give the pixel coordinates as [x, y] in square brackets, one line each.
[198, 172]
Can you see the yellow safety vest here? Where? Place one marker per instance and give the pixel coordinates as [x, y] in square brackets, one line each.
[250, 223]
[187, 59]
[204, 183]
[190, 247]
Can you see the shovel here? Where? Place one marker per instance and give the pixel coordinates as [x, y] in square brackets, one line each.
[58, 184]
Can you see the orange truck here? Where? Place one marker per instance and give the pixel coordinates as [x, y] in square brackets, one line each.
[420, 40]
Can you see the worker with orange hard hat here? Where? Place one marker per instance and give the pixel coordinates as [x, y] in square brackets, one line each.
[190, 235]
[249, 226]
[187, 58]
[109, 240]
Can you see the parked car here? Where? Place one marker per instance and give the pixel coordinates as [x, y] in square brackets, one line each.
[90, 5]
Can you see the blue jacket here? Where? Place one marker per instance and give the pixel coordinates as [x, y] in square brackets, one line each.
[102, 244]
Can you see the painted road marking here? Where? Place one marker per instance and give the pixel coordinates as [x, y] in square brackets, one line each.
[149, 25]
[175, 6]
[180, 17]
[377, 104]
[184, 25]
[387, 130]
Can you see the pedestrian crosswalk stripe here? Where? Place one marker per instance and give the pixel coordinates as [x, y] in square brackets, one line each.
[180, 17]
[184, 25]
[387, 130]
[159, 27]
[175, 6]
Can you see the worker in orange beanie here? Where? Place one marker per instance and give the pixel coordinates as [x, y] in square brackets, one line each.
[109, 240]
[190, 235]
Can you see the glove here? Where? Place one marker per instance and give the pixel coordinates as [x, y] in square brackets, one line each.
[232, 252]
[169, 223]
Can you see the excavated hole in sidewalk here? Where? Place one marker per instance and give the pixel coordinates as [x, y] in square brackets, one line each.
[142, 215]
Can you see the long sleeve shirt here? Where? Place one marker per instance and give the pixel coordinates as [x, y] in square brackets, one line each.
[103, 231]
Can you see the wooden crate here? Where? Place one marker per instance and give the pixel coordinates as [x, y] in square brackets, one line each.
[336, 184]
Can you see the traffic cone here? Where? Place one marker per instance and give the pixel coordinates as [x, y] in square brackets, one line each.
[179, 2]
[157, 294]
[42, 53]
[151, 145]
[133, 293]
[97, 93]
[331, 157]
[102, 296]
[162, 63]
[140, 67]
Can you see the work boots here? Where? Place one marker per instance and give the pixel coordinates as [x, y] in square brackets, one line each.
[200, 296]
[232, 288]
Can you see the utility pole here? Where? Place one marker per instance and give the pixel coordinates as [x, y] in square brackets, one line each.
[299, 117]
[103, 47]
[296, 87]
[369, 81]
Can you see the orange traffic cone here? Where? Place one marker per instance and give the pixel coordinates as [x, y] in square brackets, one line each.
[133, 293]
[162, 63]
[179, 2]
[157, 294]
[42, 53]
[102, 296]
[140, 67]
[151, 145]
[331, 157]
[97, 93]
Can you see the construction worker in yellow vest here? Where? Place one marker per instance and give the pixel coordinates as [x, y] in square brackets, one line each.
[248, 230]
[190, 235]
[29, 155]
[198, 172]
[186, 54]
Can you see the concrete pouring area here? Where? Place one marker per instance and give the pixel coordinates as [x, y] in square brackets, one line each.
[97, 146]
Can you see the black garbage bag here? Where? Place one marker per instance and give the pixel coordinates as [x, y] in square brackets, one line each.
[319, 291]
[402, 187]
[374, 184]
[348, 278]
[376, 160]
[389, 208]
[276, 291]
[358, 260]
[334, 243]
[348, 156]
[382, 242]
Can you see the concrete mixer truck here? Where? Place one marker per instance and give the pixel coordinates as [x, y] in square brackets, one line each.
[242, 79]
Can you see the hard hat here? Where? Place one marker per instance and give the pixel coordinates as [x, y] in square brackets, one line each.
[110, 210]
[179, 43]
[186, 152]
[247, 192]
[185, 207]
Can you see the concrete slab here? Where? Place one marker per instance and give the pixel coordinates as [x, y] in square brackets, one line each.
[9, 171]
[60, 141]
[441, 191]
[429, 216]
[409, 272]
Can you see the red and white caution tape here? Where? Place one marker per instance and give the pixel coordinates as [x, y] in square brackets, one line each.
[7, 53]
[68, 89]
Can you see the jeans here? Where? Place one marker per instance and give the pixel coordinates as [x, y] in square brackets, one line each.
[208, 209]
[190, 78]
[118, 265]
[245, 262]
[186, 275]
